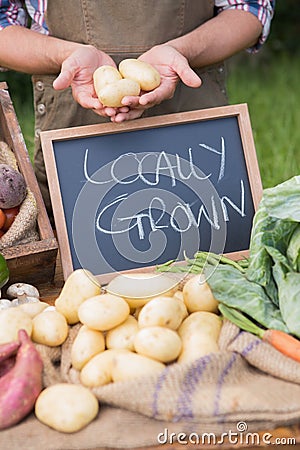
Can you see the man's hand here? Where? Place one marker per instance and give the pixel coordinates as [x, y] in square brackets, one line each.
[77, 71]
[172, 66]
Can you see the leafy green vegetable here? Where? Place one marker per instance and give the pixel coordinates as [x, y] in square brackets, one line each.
[4, 272]
[283, 200]
[231, 288]
[273, 226]
[293, 250]
[271, 232]
[289, 295]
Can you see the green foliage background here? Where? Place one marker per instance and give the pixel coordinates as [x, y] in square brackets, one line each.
[268, 82]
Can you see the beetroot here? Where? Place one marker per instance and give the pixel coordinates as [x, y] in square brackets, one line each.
[12, 187]
[22, 384]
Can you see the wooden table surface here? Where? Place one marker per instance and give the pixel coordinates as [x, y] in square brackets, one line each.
[289, 437]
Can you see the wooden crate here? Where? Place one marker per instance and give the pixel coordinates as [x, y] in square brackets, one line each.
[34, 262]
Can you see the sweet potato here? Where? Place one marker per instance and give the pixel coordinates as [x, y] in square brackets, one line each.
[12, 187]
[7, 356]
[20, 387]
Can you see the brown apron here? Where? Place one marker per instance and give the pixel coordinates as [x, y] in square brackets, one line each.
[123, 29]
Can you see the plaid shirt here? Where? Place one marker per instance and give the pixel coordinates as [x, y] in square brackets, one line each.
[14, 13]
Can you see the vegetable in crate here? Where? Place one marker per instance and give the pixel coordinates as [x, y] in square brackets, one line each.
[4, 272]
[21, 385]
[12, 187]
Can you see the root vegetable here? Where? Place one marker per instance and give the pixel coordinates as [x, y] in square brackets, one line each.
[162, 311]
[7, 356]
[33, 308]
[105, 75]
[103, 312]
[113, 93]
[196, 346]
[79, 286]
[98, 370]
[207, 322]
[86, 345]
[198, 296]
[20, 386]
[49, 328]
[12, 187]
[127, 365]
[159, 343]
[122, 336]
[66, 407]
[11, 321]
[143, 73]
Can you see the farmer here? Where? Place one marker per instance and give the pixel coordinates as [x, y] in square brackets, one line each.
[187, 41]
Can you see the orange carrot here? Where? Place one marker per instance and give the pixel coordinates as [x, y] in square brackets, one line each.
[284, 342]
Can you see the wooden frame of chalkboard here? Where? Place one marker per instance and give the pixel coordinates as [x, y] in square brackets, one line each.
[60, 149]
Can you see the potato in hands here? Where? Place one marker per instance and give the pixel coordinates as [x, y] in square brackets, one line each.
[112, 85]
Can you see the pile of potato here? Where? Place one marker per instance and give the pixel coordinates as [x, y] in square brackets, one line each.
[140, 323]
[136, 326]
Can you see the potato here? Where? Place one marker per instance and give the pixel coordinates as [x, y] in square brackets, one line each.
[11, 321]
[103, 312]
[198, 296]
[66, 407]
[162, 311]
[127, 365]
[123, 335]
[98, 370]
[113, 93]
[196, 345]
[49, 328]
[209, 323]
[143, 73]
[159, 343]
[139, 288]
[178, 294]
[33, 308]
[86, 345]
[79, 286]
[105, 75]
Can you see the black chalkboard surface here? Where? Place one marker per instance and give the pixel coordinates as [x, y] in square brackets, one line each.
[133, 195]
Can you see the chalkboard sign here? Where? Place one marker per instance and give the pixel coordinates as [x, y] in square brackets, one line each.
[138, 194]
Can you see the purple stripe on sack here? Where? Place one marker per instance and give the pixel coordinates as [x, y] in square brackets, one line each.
[189, 385]
[250, 347]
[157, 389]
[220, 383]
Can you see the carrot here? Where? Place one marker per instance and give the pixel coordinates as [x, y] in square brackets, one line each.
[281, 341]
[284, 342]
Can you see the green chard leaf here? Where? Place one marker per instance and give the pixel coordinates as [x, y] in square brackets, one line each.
[267, 231]
[289, 295]
[293, 250]
[283, 200]
[274, 223]
[233, 289]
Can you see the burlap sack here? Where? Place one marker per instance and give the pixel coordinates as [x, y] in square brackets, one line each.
[248, 384]
[23, 229]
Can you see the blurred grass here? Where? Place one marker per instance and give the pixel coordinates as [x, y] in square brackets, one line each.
[269, 84]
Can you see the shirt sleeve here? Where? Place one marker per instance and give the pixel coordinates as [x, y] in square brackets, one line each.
[12, 13]
[262, 9]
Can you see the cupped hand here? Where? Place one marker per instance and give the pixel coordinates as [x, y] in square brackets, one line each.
[77, 71]
[172, 66]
